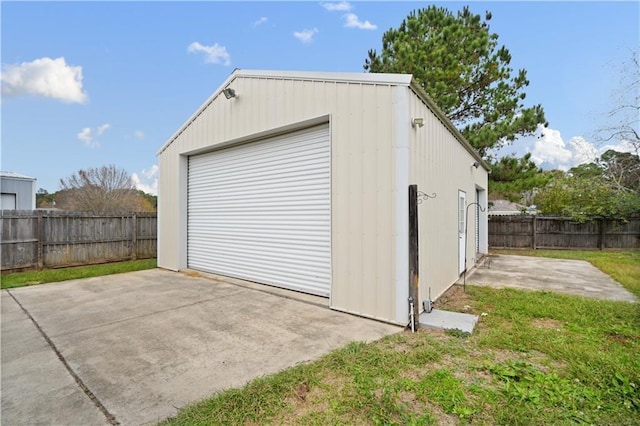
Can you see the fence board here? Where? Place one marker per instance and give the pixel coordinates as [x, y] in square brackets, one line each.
[548, 232]
[45, 239]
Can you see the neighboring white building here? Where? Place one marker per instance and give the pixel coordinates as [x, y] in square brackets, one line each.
[300, 180]
[508, 208]
[18, 191]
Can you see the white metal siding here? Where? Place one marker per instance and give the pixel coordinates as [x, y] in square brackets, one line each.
[440, 165]
[363, 157]
[262, 211]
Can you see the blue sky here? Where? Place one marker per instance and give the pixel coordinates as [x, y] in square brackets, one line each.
[86, 84]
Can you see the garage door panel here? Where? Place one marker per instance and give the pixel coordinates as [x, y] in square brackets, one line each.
[249, 178]
[261, 211]
[260, 166]
[273, 197]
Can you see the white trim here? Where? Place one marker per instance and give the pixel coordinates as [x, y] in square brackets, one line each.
[356, 77]
[197, 112]
[462, 231]
[484, 218]
[16, 176]
[183, 213]
[402, 123]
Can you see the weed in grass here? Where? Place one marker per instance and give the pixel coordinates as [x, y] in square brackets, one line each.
[457, 333]
[522, 383]
[448, 391]
[627, 390]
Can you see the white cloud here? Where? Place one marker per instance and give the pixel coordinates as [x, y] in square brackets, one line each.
[305, 36]
[147, 180]
[342, 6]
[51, 78]
[260, 21]
[139, 134]
[352, 21]
[583, 151]
[551, 149]
[89, 137]
[101, 129]
[215, 54]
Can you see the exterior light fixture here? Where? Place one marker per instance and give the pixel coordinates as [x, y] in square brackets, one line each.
[229, 93]
[476, 164]
[417, 122]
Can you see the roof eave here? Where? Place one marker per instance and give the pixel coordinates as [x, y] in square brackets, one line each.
[198, 111]
[443, 118]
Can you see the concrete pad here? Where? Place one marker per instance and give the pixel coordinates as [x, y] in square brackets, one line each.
[445, 320]
[147, 343]
[573, 277]
[36, 387]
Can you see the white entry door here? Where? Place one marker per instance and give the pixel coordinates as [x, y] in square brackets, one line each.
[462, 226]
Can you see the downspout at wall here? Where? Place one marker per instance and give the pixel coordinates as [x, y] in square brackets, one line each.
[401, 147]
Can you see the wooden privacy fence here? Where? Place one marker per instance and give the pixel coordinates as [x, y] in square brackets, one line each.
[52, 239]
[547, 232]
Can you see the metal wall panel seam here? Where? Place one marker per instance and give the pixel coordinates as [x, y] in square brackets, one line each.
[402, 120]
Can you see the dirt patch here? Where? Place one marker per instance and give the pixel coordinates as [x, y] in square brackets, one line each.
[301, 391]
[409, 399]
[547, 323]
[619, 338]
[306, 399]
[454, 299]
[444, 419]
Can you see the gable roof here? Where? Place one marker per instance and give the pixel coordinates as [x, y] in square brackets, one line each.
[14, 175]
[347, 77]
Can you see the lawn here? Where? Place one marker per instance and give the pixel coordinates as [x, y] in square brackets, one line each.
[622, 266]
[21, 279]
[535, 358]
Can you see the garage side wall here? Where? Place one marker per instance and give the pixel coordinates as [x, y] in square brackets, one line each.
[361, 119]
[440, 164]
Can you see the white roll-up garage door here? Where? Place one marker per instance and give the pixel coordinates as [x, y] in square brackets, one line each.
[262, 211]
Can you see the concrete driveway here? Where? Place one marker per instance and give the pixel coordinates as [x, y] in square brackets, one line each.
[132, 348]
[573, 277]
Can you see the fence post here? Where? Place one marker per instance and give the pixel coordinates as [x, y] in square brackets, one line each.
[413, 256]
[533, 232]
[134, 237]
[602, 234]
[40, 237]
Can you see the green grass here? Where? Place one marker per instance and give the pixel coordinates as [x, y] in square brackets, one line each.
[535, 358]
[622, 266]
[21, 279]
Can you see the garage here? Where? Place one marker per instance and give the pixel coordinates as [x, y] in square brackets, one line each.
[261, 211]
[301, 180]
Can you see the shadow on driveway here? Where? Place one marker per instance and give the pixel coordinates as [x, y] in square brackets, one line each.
[133, 348]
